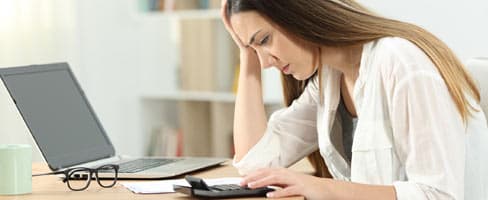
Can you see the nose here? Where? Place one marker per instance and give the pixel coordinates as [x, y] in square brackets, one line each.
[267, 60]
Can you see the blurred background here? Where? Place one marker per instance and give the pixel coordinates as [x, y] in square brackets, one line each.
[161, 74]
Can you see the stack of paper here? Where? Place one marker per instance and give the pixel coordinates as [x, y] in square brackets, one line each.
[153, 187]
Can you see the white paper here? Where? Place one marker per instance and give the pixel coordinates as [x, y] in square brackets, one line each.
[154, 187]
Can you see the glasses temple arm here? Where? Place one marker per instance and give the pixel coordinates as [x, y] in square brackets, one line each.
[49, 173]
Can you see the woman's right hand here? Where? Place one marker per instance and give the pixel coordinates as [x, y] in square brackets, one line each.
[247, 54]
[228, 26]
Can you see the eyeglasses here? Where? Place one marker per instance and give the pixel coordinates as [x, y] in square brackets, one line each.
[79, 178]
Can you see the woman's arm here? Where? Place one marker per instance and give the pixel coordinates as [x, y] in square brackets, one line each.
[289, 135]
[350, 190]
[249, 117]
[429, 138]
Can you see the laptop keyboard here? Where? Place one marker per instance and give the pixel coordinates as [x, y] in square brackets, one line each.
[143, 164]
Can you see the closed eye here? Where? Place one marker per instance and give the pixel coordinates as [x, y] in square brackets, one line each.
[264, 40]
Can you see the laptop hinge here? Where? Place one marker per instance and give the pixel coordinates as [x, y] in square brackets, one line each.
[95, 163]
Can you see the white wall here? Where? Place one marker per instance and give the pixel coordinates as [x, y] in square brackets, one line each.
[117, 47]
[460, 24]
[31, 32]
[108, 46]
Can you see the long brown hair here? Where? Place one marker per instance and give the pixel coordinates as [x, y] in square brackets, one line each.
[343, 23]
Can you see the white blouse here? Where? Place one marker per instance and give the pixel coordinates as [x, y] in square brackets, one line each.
[409, 132]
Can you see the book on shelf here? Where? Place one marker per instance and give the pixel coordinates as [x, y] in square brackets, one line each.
[165, 141]
[197, 64]
[231, 145]
[208, 56]
[195, 4]
[185, 4]
[174, 5]
[214, 4]
[210, 4]
[151, 5]
[235, 82]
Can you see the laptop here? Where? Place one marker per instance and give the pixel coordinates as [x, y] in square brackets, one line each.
[68, 132]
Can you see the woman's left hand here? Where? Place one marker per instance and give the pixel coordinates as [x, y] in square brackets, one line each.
[293, 183]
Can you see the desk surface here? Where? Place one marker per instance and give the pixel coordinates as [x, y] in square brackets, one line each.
[51, 188]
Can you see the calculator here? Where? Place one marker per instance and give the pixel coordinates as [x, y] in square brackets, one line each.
[200, 189]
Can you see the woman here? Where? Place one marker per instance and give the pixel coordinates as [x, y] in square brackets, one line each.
[382, 108]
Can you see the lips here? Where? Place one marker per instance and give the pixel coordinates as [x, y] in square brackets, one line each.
[286, 69]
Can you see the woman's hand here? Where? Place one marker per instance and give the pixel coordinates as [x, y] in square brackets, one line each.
[228, 26]
[293, 183]
[247, 54]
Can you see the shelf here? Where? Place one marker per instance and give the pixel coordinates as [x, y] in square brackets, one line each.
[181, 14]
[207, 61]
[224, 97]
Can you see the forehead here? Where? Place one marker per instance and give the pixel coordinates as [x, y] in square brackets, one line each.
[247, 23]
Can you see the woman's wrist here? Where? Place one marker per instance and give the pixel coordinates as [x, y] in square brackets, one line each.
[329, 185]
[249, 62]
[338, 189]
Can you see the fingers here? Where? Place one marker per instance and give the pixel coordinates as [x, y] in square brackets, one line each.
[272, 179]
[268, 176]
[228, 26]
[258, 174]
[223, 12]
[281, 177]
[289, 191]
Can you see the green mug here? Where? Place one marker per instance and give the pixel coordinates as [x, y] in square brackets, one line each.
[15, 169]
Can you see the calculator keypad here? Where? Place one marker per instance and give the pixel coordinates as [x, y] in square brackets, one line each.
[228, 187]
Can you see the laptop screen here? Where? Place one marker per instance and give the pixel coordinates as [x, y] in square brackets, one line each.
[57, 114]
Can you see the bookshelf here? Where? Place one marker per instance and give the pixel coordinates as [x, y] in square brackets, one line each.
[224, 97]
[175, 9]
[190, 14]
[176, 5]
[205, 121]
[201, 106]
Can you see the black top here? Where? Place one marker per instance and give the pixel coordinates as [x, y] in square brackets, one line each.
[349, 124]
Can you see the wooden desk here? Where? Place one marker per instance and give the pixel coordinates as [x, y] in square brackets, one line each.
[51, 188]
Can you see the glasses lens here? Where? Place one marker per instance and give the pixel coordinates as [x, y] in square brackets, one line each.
[107, 175]
[79, 179]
